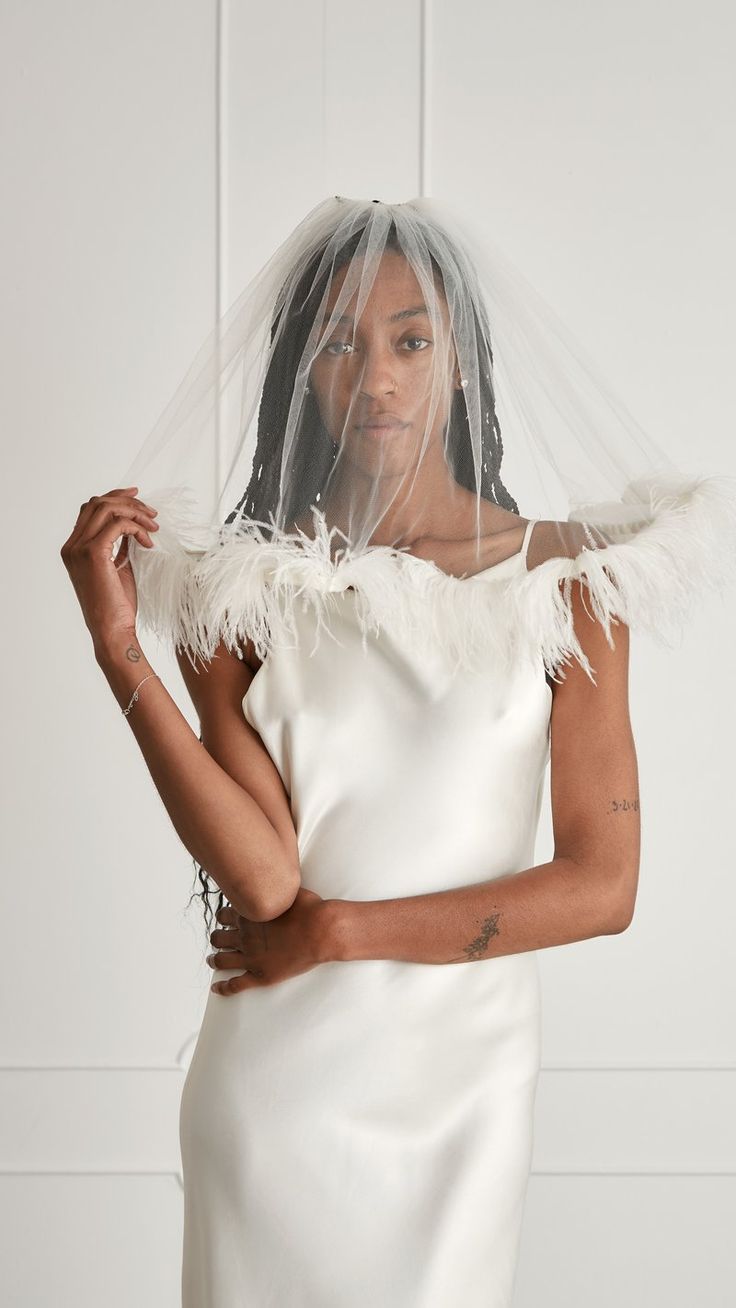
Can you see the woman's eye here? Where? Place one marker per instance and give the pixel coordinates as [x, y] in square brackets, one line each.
[340, 348]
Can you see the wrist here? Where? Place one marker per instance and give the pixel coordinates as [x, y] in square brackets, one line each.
[123, 663]
[119, 649]
[338, 930]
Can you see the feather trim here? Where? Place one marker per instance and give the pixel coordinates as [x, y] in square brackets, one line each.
[683, 547]
[197, 587]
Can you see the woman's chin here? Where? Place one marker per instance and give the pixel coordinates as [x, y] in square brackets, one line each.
[380, 451]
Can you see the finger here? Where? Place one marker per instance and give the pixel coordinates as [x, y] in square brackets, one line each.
[119, 498]
[228, 915]
[121, 558]
[100, 541]
[225, 936]
[226, 959]
[88, 525]
[80, 545]
[235, 984]
[120, 508]
[130, 499]
[84, 512]
[128, 492]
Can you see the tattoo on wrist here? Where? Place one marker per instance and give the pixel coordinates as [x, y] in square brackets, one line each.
[478, 947]
[133, 654]
[624, 805]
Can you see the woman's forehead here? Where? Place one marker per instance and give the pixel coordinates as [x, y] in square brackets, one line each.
[394, 289]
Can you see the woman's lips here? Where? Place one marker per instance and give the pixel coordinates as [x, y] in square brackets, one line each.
[385, 424]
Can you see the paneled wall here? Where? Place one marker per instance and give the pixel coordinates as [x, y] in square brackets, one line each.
[153, 155]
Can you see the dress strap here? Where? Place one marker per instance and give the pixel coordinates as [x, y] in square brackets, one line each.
[527, 537]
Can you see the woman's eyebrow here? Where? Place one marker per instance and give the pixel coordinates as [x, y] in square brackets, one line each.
[395, 317]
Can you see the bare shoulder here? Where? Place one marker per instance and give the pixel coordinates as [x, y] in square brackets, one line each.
[551, 539]
[218, 683]
[608, 696]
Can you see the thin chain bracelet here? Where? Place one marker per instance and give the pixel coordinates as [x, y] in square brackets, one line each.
[134, 696]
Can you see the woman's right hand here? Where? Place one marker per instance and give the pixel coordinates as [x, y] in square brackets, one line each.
[105, 586]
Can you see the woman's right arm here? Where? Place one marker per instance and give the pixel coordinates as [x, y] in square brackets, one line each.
[217, 689]
[223, 794]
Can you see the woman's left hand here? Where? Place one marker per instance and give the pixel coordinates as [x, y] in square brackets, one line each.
[271, 951]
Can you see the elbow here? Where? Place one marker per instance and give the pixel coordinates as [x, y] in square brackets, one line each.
[622, 902]
[621, 920]
[273, 894]
[609, 897]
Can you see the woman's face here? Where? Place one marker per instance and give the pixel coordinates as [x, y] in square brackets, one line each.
[373, 379]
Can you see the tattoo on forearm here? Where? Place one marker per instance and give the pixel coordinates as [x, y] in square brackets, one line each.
[478, 947]
[624, 806]
[133, 654]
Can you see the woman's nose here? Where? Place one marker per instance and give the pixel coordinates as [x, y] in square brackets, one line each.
[378, 373]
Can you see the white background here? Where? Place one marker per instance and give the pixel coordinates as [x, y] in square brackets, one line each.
[153, 155]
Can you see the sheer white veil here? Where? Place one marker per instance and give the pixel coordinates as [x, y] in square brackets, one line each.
[383, 409]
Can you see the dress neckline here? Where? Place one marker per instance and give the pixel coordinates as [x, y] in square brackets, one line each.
[519, 556]
[517, 559]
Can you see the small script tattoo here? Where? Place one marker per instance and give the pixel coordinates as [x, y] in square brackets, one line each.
[132, 654]
[477, 947]
[624, 806]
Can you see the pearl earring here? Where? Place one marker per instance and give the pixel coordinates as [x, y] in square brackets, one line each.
[463, 382]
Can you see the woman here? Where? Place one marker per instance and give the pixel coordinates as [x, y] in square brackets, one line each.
[374, 644]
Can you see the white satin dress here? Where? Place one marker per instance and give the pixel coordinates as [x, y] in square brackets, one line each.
[360, 1136]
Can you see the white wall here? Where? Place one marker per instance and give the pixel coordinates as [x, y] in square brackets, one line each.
[599, 141]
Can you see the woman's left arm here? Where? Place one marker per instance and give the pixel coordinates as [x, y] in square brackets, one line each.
[587, 889]
[589, 886]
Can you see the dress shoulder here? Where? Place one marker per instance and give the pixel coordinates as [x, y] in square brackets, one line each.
[195, 589]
